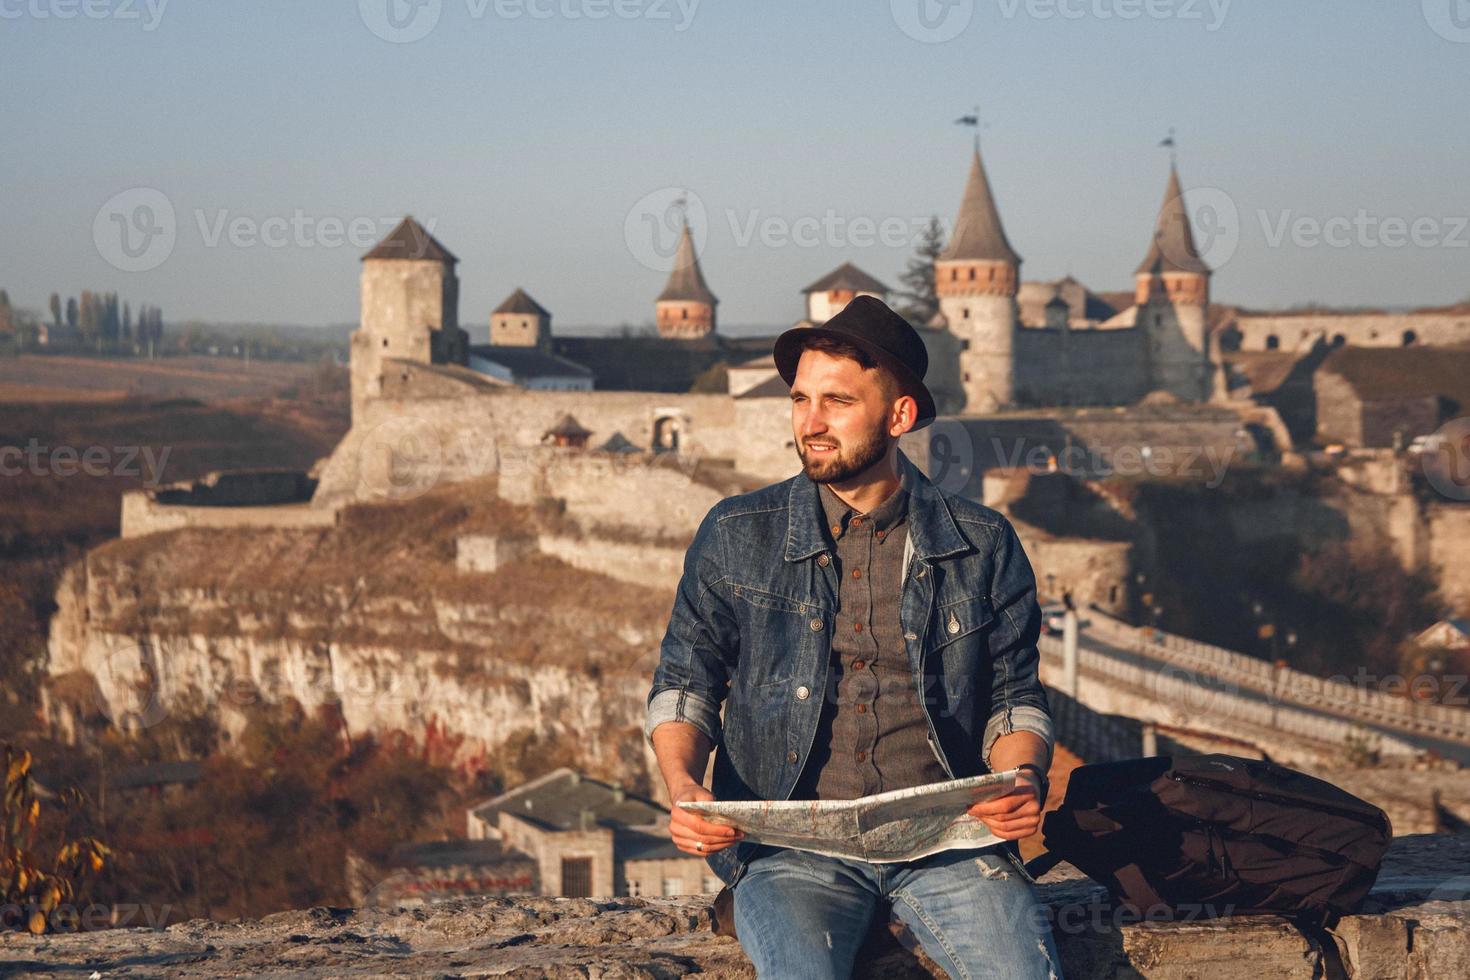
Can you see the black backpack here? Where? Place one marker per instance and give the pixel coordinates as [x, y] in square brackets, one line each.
[1216, 835]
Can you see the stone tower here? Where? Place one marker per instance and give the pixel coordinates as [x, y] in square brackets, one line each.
[686, 307]
[1173, 295]
[410, 308]
[976, 278]
[520, 321]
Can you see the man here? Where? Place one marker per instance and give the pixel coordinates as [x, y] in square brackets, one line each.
[864, 632]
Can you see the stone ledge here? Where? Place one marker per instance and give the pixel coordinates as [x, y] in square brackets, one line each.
[1416, 926]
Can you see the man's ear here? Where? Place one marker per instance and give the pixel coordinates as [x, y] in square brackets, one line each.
[905, 414]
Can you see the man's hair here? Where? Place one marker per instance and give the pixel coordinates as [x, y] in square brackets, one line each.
[841, 348]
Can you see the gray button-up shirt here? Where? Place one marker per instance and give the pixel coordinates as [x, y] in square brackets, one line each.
[872, 736]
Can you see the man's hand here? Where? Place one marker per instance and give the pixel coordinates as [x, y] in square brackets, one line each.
[1015, 815]
[693, 833]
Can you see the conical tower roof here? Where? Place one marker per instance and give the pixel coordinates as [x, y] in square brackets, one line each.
[1173, 248]
[686, 281]
[520, 301]
[978, 233]
[410, 240]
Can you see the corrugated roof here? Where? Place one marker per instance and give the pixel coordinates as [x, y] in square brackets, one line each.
[529, 362]
[847, 276]
[978, 233]
[635, 846]
[520, 301]
[410, 240]
[686, 281]
[1173, 248]
[557, 800]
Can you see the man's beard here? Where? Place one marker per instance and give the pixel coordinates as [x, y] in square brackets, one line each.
[845, 463]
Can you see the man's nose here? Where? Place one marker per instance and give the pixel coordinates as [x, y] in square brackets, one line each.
[814, 423]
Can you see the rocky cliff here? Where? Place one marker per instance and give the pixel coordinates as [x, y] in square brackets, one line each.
[373, 615]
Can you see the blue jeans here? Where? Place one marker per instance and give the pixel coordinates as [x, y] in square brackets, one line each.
[802, 915]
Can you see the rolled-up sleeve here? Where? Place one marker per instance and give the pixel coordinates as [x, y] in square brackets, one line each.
[1017, 701]
[700, 645]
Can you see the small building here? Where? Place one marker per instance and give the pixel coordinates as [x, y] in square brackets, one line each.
[827, 297]
[567, 433]
[520, 321]
[588, 837]
[1447, 634]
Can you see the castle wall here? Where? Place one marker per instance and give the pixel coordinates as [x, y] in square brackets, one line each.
[1357, 329]
[447, 431]
[1079, 367]
[1448, 530]
[766, 447]
[608, 491]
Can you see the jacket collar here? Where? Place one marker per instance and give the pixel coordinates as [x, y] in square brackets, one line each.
[931, 527]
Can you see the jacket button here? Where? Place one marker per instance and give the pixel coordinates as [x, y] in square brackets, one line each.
[823, 560]
[816, 625]
[911, 637]
[803, 692]
[791, 756]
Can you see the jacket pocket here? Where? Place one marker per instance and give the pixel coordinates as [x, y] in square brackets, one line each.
[776, 633]
[959, 618]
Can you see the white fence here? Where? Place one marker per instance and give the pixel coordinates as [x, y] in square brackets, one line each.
[1197, 693]
[1283, 685]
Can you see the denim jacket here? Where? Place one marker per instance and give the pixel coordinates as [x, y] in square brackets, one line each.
[752, 623]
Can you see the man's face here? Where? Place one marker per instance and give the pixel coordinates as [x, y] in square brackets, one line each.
[841, 416]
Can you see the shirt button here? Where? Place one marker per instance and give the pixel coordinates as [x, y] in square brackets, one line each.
[861, 756]
[803, 692]
[823, 560]
[858, 664]
[857, 627]
[836, 530]
[816, 625]
[862, 709]
[791, 756]
[857, 573]
[880, 535]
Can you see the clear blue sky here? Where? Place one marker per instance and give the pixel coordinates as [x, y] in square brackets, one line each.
[527, 140]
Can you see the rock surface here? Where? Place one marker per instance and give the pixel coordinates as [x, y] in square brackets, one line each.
[1416, 926]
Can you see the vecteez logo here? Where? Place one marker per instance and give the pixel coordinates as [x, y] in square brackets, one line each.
[932, 21]
[136, 230]
[655, 222]
[1450, 19]
[400, 21]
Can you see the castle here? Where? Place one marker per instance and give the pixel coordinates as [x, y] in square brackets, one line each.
[997, 342]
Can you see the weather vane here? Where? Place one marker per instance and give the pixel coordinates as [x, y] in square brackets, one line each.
[1168, 141]
[974, 122]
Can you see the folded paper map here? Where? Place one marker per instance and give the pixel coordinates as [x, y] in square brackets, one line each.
[900, 825]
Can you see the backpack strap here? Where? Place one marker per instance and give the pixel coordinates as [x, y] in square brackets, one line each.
[1318, 928]
[1038, 866]
[1140, 893]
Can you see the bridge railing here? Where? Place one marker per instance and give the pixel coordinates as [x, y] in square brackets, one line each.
[1284, 683]
[1197, 694]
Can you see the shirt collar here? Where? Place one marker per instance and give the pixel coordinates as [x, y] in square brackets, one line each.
[882, 517]
[932, 529]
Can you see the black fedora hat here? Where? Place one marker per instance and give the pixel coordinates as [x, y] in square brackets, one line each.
[868, 324]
